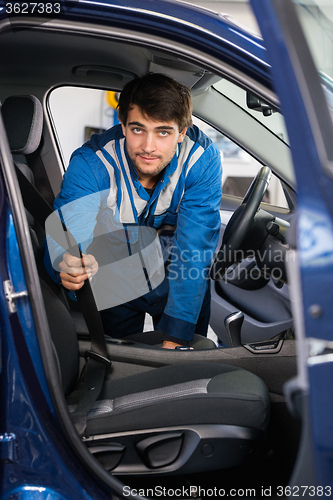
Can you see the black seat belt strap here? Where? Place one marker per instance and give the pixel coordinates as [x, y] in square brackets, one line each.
[88, 308]
[32, 199]
[86, 395]
[42, 182]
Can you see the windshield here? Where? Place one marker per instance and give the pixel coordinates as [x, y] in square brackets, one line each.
[270, 118]
[316, 18]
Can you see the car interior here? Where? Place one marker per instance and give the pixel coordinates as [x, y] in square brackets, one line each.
[219, 411]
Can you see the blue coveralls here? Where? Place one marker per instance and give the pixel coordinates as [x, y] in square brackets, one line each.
[101, 189]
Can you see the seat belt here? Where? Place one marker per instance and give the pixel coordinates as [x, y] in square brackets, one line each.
[97, 362]
[41, 179]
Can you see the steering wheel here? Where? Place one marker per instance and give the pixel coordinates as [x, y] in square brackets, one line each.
[239, 224]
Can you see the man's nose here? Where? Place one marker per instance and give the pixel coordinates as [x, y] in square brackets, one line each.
[149, 144]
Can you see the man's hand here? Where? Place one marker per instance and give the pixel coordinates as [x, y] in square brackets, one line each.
[75, 271]
[168, 344]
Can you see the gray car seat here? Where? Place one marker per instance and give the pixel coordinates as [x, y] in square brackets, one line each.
[173, 419]
[181, 418]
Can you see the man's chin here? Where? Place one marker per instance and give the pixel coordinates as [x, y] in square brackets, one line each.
[148, 169]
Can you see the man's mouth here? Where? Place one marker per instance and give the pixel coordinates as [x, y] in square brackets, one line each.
[149, 159]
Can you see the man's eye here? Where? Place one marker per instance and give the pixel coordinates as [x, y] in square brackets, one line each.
[164, 133]
[136, 130]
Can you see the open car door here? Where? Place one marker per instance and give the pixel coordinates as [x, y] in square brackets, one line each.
[309, 124]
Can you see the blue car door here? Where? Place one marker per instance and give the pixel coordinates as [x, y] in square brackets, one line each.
[300, 90]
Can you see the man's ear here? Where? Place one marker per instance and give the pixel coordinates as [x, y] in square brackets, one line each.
[182, 134]
[123, 128]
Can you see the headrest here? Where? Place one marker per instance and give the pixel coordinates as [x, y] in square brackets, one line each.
[23, 119]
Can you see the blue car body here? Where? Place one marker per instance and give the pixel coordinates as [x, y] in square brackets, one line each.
[37, 460]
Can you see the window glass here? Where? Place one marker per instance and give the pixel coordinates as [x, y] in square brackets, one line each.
[88, 111]
[316, 17]
[239, 168]
[274, 121]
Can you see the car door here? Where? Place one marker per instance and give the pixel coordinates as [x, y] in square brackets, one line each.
[54, 445]
[310, 131]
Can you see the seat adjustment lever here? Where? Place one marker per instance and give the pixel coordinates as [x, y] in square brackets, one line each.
[233, 324]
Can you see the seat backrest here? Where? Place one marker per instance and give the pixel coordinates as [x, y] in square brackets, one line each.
[23, 119]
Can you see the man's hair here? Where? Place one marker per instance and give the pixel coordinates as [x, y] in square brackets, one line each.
[159, 98]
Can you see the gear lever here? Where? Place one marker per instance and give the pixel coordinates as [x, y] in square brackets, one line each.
[233, 324]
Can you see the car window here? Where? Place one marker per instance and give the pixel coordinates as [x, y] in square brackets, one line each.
[239, 168]
[88, 111]
[261, 111]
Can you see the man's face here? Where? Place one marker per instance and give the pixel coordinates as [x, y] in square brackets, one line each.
[150, 145]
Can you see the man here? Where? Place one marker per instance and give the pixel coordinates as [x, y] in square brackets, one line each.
[156, 171]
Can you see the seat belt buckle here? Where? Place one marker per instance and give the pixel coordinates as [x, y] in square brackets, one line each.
[97, 357]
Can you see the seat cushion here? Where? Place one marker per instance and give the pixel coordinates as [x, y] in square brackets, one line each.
[155, 338]
[188, 394]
